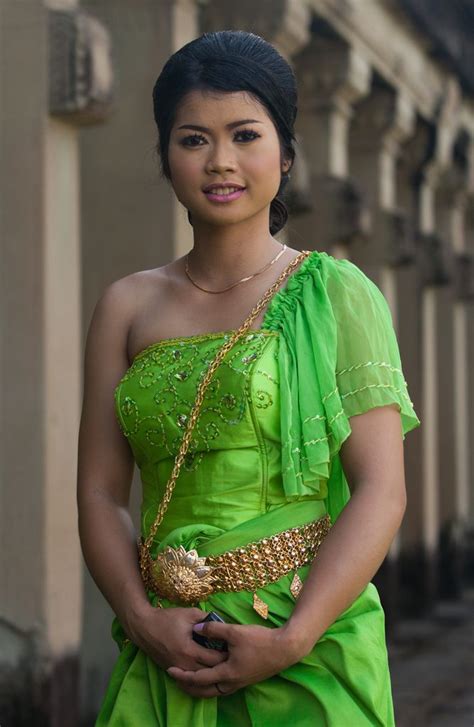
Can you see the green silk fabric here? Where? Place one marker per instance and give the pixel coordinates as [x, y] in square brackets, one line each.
[264, 457]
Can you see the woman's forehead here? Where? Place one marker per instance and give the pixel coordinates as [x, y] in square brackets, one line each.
[219, 107]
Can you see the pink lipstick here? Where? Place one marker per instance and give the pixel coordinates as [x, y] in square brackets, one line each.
[213, 197]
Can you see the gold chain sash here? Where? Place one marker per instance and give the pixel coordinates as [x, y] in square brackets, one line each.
[182, 575]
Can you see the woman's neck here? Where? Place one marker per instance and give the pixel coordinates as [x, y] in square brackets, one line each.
[220, 262]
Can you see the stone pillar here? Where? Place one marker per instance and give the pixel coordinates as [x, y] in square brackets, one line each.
[417, 573]
[382, 123]
[81, 96]
[41, 355]
[436, 268]
[23, 86]
[332, 76]
[184, 24]
[455, 189]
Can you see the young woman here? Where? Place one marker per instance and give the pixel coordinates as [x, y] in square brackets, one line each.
[292, 468]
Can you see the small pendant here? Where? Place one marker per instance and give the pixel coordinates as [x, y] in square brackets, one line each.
[260, 606]
[296, 586]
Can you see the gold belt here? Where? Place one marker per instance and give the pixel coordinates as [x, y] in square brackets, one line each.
[184, 577]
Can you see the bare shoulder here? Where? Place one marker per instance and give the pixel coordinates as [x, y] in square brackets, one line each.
[124, 291]
[113, 310]
[121, 299]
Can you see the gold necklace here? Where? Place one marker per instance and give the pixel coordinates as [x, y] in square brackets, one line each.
[243, 280]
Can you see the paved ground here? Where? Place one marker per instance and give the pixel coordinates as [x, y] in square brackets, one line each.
[432, 666]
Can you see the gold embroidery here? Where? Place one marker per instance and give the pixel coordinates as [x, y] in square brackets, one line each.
[260, 606]
[313, 418]
[383, 364]
[376, 386]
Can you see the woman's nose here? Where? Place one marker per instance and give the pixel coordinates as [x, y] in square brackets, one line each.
[220, 158]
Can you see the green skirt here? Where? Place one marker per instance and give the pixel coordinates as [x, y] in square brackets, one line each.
[344, 680]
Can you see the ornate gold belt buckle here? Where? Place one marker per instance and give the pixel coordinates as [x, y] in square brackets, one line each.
[182, 575]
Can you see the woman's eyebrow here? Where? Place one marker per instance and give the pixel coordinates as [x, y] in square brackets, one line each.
[228, 126]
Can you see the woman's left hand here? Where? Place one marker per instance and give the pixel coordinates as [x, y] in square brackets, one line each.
[255, 653]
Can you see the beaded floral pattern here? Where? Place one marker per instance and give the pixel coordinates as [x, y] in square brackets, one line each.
[154, 397]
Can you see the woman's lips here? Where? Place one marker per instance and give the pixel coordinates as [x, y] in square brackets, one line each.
[213, 197]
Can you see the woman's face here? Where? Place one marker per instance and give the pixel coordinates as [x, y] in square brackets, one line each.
[224, 150]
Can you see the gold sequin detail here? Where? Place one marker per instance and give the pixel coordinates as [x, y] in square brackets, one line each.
[296, 586]
[260, 606]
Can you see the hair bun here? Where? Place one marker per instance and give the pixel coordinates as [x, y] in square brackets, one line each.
[278, 215]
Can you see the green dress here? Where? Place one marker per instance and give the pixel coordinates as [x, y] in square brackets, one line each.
[264, 457]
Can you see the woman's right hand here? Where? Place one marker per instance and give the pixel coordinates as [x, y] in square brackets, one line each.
[165, 634]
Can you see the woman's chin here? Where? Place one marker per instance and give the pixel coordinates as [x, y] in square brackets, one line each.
[221, 217]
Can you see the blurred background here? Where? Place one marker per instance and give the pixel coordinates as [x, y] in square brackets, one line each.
[384, 177]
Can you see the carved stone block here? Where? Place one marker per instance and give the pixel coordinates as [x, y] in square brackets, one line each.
[435, 259]
[80, 67]
[397, 233]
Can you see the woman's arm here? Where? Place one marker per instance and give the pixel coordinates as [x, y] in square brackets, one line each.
[105, 463]
[105, 469]
[352, 552]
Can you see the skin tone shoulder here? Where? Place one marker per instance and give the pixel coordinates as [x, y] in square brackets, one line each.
[219, 138]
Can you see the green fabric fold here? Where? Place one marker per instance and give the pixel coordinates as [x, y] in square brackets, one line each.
[338, 356]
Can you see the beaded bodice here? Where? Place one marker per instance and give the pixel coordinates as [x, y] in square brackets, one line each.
[232, 471]
[278, 408]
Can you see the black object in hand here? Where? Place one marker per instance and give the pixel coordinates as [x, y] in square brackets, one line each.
[218, 644]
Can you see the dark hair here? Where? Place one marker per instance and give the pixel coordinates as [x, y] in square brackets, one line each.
[230, 61]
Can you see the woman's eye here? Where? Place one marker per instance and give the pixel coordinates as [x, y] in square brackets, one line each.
[187, 139]
[253, 134]
[247, 132]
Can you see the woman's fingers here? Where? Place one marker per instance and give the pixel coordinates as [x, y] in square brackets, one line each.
[210, 657]
[216, 630]
[200, 679]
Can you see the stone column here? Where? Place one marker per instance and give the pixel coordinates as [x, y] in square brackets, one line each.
[45, 51]
[23, 126]
[332, 76]
[436, 267]
[184, 25]
[417, 573]
[383, 121]
[455, 190]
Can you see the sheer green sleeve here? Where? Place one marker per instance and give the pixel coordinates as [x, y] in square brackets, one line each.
[338, 356]
[368, 367]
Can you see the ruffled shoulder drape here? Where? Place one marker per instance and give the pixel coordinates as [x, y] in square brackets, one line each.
[338, 356]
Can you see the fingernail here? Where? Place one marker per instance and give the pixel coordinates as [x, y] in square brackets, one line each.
[198, 627]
